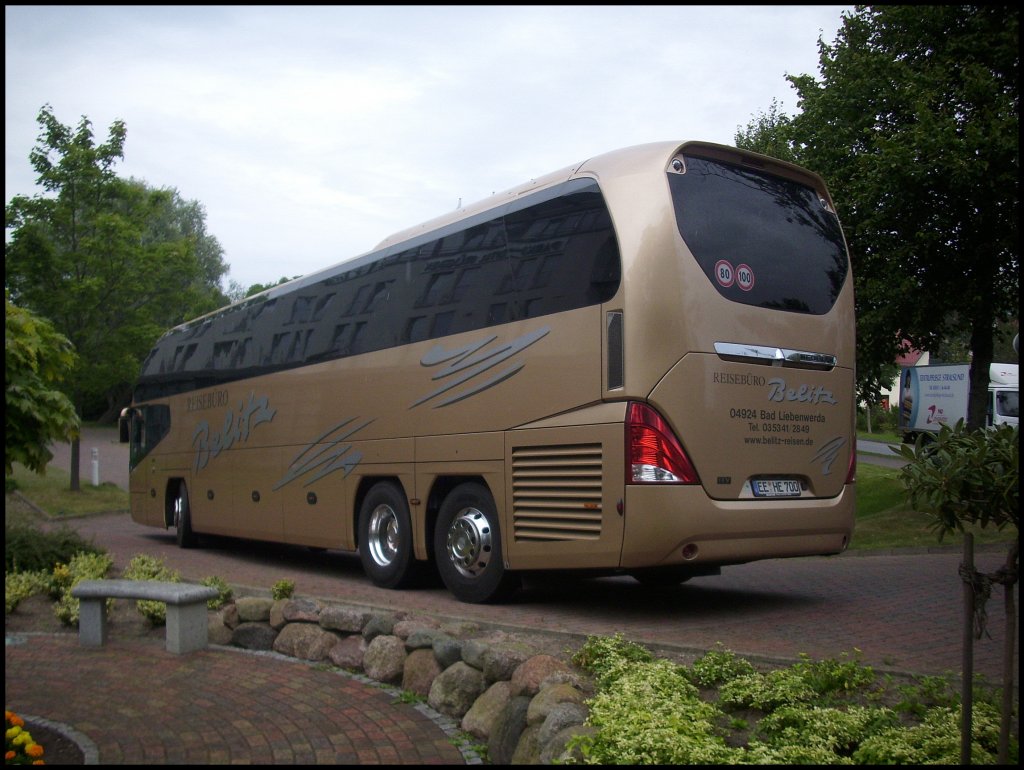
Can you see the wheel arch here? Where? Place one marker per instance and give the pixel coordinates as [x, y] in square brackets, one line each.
[171, 488]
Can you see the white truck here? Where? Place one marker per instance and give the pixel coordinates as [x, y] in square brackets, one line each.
[932, 396]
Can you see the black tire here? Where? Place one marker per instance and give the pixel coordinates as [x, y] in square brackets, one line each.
[184, 535]
[385, 538]
[467, 546]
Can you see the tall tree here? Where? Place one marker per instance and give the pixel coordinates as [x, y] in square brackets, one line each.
[914, 124]
[36, 359]
[108, 261]
[769, 133]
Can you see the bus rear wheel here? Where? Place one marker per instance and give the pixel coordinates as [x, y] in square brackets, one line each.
[184, 535]
[467, 545]
[385, 538]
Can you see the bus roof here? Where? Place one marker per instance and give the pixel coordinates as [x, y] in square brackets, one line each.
[634, 157]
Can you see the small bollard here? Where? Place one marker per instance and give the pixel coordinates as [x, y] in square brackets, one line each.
[95, 467]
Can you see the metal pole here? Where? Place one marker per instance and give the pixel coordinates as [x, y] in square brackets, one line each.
[95, 467]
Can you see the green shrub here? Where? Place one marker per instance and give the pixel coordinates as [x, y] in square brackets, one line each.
[717, 666]
[837, 730]
[936, 741]
[965, 477]
[831, 676]
[27, 549]
[803, 682]
[766, 691]
[224, 592]
[649, 711]
[652, 714]
[927, 692]
[283, 589]
[143, 567]
[82, 566]
[19, 586]
[605, 657]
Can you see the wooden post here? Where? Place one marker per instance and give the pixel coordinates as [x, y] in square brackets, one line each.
[1009, 647]
[967, 665]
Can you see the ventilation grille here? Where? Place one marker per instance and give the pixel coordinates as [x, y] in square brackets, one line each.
[556, 492]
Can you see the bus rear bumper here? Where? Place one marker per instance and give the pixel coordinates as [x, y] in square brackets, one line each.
[682, 525]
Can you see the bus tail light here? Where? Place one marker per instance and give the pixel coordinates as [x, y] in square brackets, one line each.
[851, 473]
[653, 452]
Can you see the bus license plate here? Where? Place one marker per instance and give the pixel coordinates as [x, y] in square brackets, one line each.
[776, 488]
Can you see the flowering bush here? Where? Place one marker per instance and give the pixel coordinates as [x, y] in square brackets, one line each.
[144, 567]
[83, 566]
[19, 586]
[21, 749]
[224, 592]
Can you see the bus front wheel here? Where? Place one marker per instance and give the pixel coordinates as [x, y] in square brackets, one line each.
[467, 545]
[385, 537]
[184, 535]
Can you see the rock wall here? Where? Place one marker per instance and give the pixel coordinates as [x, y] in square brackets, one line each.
[520, 701]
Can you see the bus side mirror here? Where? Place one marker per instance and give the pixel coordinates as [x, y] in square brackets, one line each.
[124, 425]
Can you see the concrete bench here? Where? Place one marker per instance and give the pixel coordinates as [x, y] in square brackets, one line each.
[186, 609]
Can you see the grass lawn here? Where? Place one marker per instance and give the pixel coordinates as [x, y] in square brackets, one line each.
[882, 438]
[51, 493]
[885, 521]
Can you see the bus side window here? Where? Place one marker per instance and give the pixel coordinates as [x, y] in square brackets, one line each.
[148, 425]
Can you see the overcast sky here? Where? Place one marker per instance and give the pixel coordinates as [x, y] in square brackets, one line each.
[310, 134]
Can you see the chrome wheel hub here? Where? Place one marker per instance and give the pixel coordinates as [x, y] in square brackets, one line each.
[383, 535]
[469, 542]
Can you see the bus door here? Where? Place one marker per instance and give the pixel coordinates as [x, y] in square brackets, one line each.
[143, 427]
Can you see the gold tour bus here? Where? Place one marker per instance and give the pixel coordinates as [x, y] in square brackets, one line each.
[641, 364]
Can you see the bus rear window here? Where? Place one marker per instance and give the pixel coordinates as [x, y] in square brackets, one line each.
[761, 240]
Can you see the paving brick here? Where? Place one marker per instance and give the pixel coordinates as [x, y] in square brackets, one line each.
[140, 704]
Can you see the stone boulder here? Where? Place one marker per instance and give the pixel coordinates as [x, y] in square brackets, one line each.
[455, 689]
[420, 671]
[348, 653]
[527, 678]
[349, 620]
[551, 695]
[447, 651]
[479, 721]
[253, 609]
[302, 611]
[379, 625]
[499, 662]
[253, 636]
[556, 751]
[384, 659]
[560, 717]
[508, 729]
[305, 641]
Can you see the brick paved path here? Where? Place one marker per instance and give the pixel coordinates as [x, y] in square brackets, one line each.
[142, 705]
